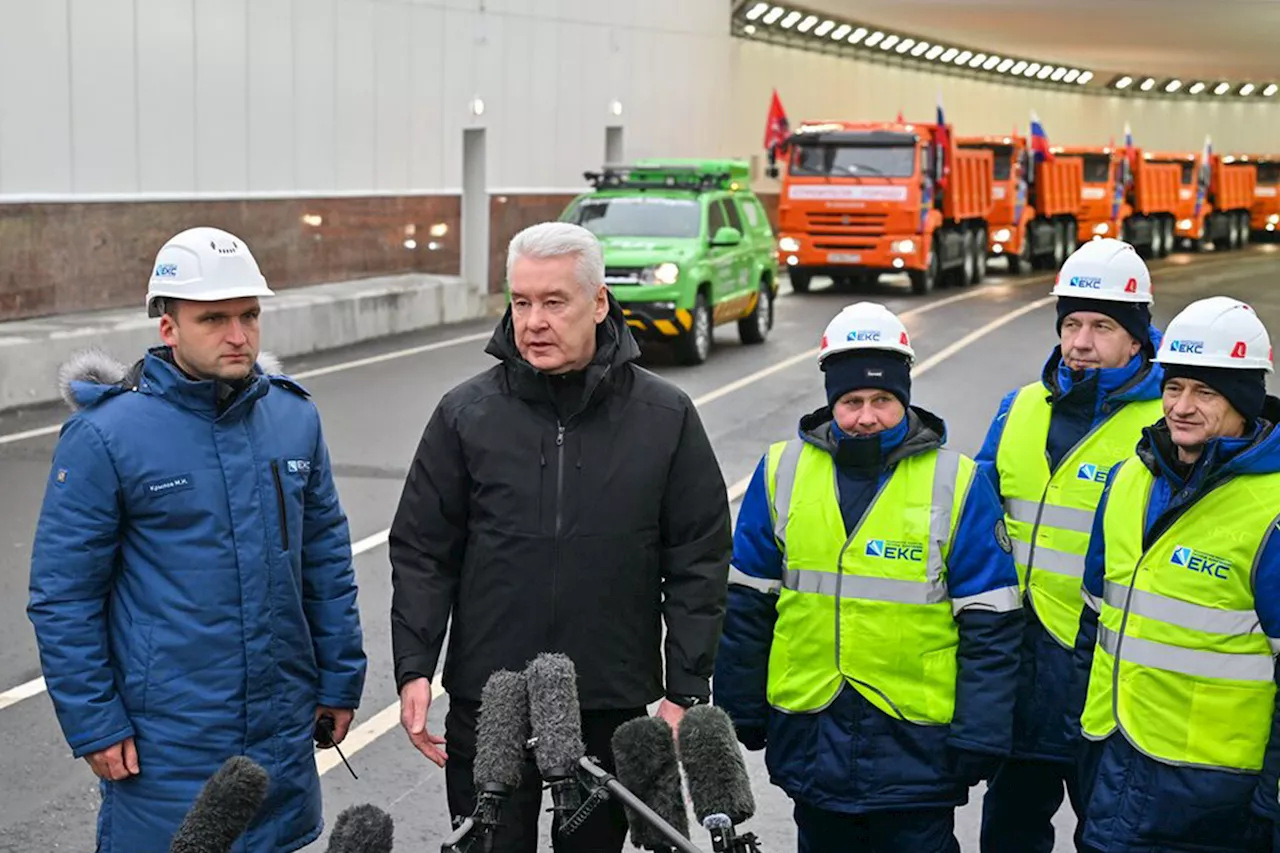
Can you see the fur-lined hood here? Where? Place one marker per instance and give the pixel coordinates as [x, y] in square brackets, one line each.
[92, 374]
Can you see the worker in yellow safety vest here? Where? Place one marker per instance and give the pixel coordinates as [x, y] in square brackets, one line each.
[1048, 453]
[1182, 581]
[870, 641]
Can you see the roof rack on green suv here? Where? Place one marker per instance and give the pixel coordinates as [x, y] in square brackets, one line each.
[687, 247]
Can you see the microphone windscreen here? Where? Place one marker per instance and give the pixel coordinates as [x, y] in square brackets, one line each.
[714, 768]
[644, 753]
[362, 829]
[502, 730]
[223, 809]
[555, 715]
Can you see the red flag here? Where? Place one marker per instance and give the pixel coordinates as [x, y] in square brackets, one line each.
[776, 128]
[901, 120]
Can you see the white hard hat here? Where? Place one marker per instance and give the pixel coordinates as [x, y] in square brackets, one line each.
[1105, 269]
[865, 326]
[1217, 332]
[204, 265]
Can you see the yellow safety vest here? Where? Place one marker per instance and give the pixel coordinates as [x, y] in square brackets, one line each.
[1182, 668]
[871, 609]
[1050, 515]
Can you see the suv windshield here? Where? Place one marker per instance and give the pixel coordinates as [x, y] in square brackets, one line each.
[881, 161]
[639, 216]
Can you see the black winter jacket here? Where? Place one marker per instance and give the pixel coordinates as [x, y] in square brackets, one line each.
[577, 537]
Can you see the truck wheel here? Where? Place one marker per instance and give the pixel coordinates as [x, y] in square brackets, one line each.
[981, 241]
[1171, 234]
[754, 328]
[1059, 245]
[1024, 261]
[1071, 236]
[694, 347]
[968, 273]
[799, 281]
[1158, 246]
[923, 281]
[1245, 233]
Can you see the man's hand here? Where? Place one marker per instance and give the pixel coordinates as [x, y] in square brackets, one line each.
[415, 701]
[342, 718]
[672, 713]
[116, 762]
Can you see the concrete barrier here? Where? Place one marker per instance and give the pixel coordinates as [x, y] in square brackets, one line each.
[295, 322]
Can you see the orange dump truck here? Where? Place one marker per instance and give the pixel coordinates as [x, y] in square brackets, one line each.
[1213, 203]
[1032, 223]
[1138, 206]
[1264, 213]
[1100, 192]
[862, 198]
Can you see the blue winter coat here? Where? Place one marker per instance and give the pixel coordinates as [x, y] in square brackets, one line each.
[1135, 804]
[852, 757]
[192, 587]
[1041, 730]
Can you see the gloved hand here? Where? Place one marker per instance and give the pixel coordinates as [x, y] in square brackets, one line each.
[972, 767]
[751, 737]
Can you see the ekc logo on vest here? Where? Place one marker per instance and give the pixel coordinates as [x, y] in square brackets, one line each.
[887, 550]
[1199, 561]
[1093, 473]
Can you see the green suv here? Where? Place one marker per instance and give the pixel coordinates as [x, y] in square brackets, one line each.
[687, 246]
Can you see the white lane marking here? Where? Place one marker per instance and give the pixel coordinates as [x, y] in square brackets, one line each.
[389, 717]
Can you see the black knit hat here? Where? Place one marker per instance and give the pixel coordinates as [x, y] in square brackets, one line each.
[882, 369]
[1133, 317]
[1245, 390]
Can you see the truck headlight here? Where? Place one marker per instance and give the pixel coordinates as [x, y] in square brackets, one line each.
[1185, 225]
[1102, 228]
[1274, 218]
[789, 244]
[904, 247]
[1002, 236]
[666, 273]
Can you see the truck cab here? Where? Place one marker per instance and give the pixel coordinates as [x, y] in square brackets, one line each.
[1264, 213]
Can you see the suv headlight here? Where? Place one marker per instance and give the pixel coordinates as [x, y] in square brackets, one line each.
[789, 244]
[664, 273]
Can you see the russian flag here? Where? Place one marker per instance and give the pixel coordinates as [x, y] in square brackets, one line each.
[1202, 183]
[942, 139]
[1039, 141]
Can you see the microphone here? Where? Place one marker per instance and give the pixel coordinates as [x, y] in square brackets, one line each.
[362, 829]
[502, 734]
[644, 751]
[556, 720]
[223, 809]
[716, 775]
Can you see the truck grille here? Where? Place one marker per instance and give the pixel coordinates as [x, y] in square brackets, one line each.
[834, 223]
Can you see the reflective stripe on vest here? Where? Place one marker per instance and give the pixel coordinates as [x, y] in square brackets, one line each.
[871, 608]
[1182, 667]
[1050, 514]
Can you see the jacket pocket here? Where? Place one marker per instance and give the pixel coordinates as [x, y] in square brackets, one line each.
[136, 667]
[282, 507]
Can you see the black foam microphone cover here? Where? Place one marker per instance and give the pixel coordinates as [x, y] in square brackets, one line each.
[362, 829]
[555, 715]
[224, 808]
[644, 752]
[502, 731]
[713, 765]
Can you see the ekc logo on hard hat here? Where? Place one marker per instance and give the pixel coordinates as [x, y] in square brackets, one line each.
[1191, 347]
[166, 271]
[1090, 282]
[1092, 472]
[895, 550]
[870, 335]
[1200, 561]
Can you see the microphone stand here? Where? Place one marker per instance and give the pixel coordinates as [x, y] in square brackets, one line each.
[480, 826]
[724, 839]
[601, 784]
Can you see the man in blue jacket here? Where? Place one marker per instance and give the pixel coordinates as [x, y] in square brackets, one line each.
[1182, 578]
[1047, 454]
[871, 640]
[191, 588]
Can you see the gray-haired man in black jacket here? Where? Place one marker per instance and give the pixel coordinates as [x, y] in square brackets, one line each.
[565, 500]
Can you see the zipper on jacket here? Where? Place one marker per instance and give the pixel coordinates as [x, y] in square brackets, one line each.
[559, 474]
[284, 518]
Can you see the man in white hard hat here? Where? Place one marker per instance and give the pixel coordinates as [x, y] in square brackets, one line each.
[1047, 453]
[1183, 583]
[876, 722]
[192, 589]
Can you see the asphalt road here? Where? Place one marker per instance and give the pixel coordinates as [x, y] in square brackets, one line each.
[973, 346]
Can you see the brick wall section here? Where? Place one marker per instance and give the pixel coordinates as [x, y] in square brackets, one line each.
[508, 215]
[61, 258]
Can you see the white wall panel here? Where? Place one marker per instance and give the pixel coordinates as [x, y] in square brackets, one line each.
[166, 96]
[271, 95]
[314, 110]
[393, 95]
[427, 73]
[35, 97]
[357, 101]
[460, 88]
[103, 96]
[222, 115]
